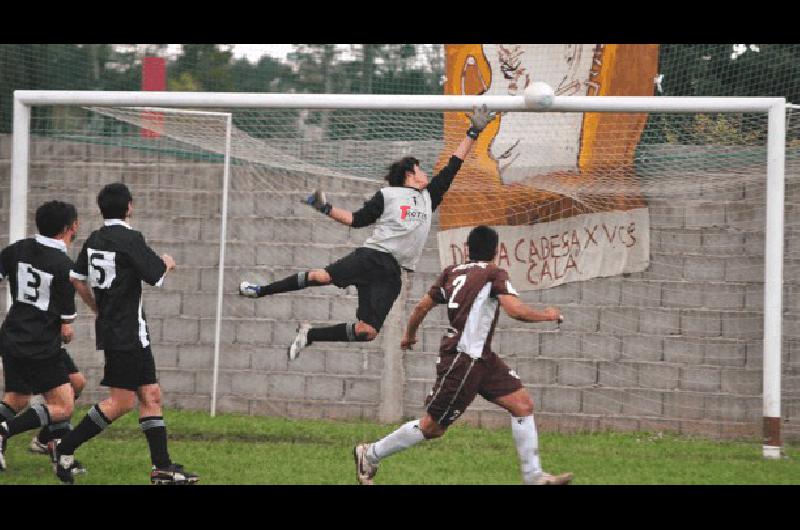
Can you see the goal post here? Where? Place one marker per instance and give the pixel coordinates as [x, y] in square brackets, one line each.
[773, 108]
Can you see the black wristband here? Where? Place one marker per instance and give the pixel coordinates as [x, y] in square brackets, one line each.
[326, 209]
[473, 133]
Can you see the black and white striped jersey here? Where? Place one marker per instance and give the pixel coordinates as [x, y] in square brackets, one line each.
[114, 261]
[42, 295]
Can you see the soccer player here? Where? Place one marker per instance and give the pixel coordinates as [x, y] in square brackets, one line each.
[467, 366]
[56, 430]
[40, 318]
[114, 261]
[402, 214]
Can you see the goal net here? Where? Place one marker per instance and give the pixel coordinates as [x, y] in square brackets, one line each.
[646, 229]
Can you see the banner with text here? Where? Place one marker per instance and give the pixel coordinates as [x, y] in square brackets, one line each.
[577, 248]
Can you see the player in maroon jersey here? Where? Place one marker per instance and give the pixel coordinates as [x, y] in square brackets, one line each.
[474, 293]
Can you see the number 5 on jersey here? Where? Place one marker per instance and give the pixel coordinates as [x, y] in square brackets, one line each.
[102, 268]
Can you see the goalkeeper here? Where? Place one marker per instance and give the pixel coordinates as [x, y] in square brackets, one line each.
[402, 214]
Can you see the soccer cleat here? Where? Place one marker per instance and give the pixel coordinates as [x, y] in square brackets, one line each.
[3, 442]
[63, 465]
[546, 479]
[38, 447]
[173, 474]
[300, 341]
[365, 470]
[250, 290]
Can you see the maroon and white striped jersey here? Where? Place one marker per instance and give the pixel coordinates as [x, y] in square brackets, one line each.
[470, 292]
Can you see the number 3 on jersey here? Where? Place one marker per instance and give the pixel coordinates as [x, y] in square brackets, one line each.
[33, 286]
[102, 268]
[458, 283]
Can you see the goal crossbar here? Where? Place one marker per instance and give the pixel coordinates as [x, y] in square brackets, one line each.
[775, 108]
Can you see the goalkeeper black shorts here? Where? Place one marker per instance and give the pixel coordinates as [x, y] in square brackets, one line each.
[376, 276]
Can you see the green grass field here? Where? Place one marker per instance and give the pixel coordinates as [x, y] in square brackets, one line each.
[236, 449]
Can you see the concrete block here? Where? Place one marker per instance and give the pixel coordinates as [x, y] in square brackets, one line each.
[366, 390]
[192, 356]
[235, 356]
[705, 214]
[643, 403]
[601, 291]
[732, 408]
[290, 386]
[659, 321]
[305, 410]
[537, 371]
[227, 330]
[742, 382]
[292, 230]
[560, 345]
[580, 319]
[666, 216]
[684, 405]
[679, 241]
[698, 323]
[344, 362]
[641, 293]
[617, 374]
[268, 407]
[258, 332]
[725, 353]
[233, 404]
[161, 304]
[181, 330]
[309, 256]
[743, 325]
[679, 294]
[602, 401]
[665, 267]
[310, 308]
[619, 321]
[177, 381]
[420, 365]
[563, 294]
[278, 307]
[328, 388]
[724, 296]
[744, 269]
[745, 216]
[642, 348]
[600, 346]
[204, 382]
[515, 342]
[754, 351]
[561, 400]
[700, 379]
[658, 376]
[683, 350]
[577, 373]
[269, 359]
[704, 269]
[723, 243]
[248, 384]
[343, 412]
[343, 308]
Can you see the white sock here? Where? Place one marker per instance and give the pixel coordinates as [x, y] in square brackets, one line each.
[404, 437]
[527, 441]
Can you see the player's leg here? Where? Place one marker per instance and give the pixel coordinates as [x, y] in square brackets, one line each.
[503, 387]
[59, 430]
[11, 404]
[151, 421]
[458, 378]
[294, 282]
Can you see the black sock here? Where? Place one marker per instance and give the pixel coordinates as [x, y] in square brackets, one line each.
[155, 430]
[55, 430]
[35, 416]
[90, 426]
[337, 333]
[44, 435]
[294, 282]
[6, 412]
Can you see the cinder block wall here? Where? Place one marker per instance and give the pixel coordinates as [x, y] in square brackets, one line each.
[670, 348]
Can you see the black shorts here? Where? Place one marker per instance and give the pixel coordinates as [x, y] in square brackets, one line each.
[33, 376]
[68, 362]
[459, 378]
[129, 369]
[376, 275]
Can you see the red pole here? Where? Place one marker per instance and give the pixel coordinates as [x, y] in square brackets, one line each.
[154, 77]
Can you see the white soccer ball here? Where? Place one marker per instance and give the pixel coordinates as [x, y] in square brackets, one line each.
[539, 94]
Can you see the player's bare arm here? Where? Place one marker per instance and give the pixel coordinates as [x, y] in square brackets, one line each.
[417, 316]
[85, 292]
[67, 333]
[516, 309]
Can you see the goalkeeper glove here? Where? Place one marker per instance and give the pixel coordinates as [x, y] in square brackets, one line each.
[318, 201]
[480, 118]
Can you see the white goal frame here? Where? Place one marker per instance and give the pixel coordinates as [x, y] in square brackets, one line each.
[775, 108]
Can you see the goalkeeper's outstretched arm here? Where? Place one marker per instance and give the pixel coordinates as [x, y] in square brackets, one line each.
[368, 214]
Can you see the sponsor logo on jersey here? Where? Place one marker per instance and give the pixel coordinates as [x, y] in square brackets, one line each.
[407, 213]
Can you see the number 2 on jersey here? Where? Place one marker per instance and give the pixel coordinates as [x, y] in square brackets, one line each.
[458, 283]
